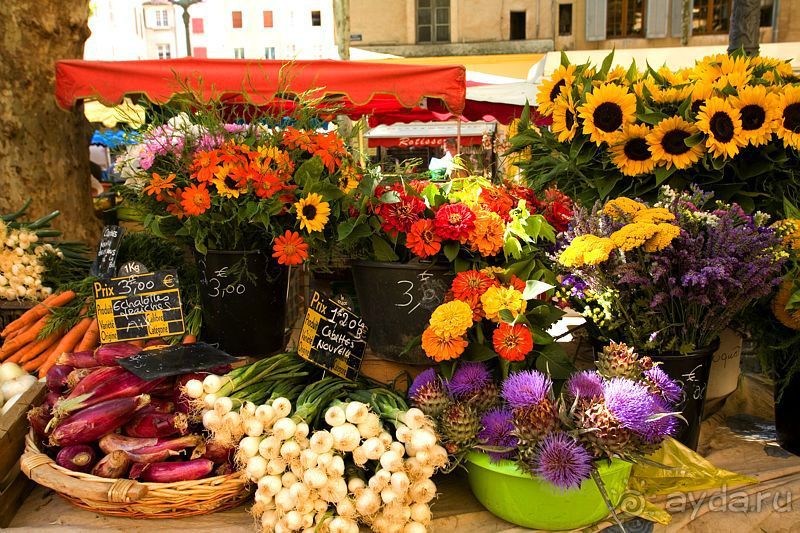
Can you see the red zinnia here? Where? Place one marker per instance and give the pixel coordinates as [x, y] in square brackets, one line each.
[498, 201]
[470, 284]
[512, 343]
[399, 216]
[557, 209]
[454, 221]
[421, 239]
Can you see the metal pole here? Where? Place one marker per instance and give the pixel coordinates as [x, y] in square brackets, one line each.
[776, 7]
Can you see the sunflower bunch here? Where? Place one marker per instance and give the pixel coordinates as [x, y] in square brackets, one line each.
[730, 123]
[278, 183]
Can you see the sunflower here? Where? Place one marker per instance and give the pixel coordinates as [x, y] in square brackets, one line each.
[565, 124]
[759, 111]
[723, 125]
[421, 239]
[617, 75]
[788, 122]
[312, 212]
[195, 199]
[787, 317]
[607, 108]
[550, 88]
[290, 248]
[496, 299]
[630, 151]
[672, 95]
[645, 88]
[512, 342]
[441, 348]
[668, 146]
[226, 186]
[700, 93]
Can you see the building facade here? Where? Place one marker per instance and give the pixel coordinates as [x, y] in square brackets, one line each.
[469, 27]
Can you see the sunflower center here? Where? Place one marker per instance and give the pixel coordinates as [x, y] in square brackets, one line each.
[791, 117]
[637, 149]
[569, 119]
[753, 117]
[673, 142]
[454, 218]
[721, 126]
[696, 106]
[309, 212]
[556, 90]
[229, 182]
[608, 117]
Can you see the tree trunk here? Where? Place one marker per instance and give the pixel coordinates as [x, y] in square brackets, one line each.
[745, 18]
[686, 21]
[43, 149]
[341, 19]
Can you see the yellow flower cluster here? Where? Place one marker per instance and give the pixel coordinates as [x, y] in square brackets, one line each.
[587, 250]
[653, 215]
[651, 237]
[787, 317]
[451, 319]
[622, 208]
[789, 229]
[495, 299]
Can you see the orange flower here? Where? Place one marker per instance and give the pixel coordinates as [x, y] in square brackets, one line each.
[517, 283]
[205, 165]
[158, 185]
[442, 349]
[290, 248]
[512, 342]
[330, 148]
[421, 239]
[195, 199]
[471, 284]
[294, 139]
[488, 235]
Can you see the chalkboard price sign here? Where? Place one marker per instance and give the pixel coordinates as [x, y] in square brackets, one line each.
[139, 306]
[333, 337]
[105, 263]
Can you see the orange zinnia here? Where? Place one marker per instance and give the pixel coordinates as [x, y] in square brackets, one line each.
[158, 185]
[471, 284]
[421, 239]
[441, 349]
[512, 343]
[205, 165]
[489, 233]
[195, 199]
[290, 248]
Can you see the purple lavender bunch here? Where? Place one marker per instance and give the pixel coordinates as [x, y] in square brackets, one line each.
[498, 431]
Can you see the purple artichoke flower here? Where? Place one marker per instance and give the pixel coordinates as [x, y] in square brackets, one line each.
[630, 403]
[526, 389]
[585, 384]
[469, 378]
[427, 393]
[659, 427]
[561, 461]
[666, 387]
[498, 430]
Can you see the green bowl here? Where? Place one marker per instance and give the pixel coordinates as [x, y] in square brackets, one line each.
[534, 503]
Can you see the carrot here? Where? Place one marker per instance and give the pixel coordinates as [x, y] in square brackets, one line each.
[40, 346]
[17, 332]
[17, 356]
[38, 311]
[189, 339]
[91, 339]
[37, 361]
[18, 342]
[67, 344]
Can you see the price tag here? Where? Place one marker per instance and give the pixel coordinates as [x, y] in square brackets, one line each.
[333, 337]
[105, 263]
[141, 306]
[131, 267]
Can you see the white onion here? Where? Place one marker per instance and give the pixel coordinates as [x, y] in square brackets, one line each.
[346, 508]
[423, 438]
[359, 456]
[248, 407]
[269, 519]
[403, 434]
[253, 427]
[414, 527]
[194, 388]
[284, 428]
[212, 383]
[300, 491]
[379, 481]
[421, 512]
[368, 502]
[398, 448]
[263, 497]
[386, 438]
[276, 466]
[371, 427]
[415, 418]
[211, 420]
[288, 479]
[232, 421]
[270, 485]
[294, 520]
[223, 405]
[290, 450]
[269, 447]
[422, 491]
[321, 441]
[209, 399]
[392, 461]
[373, 448]
[284, 500]
[282, 407]
[336, 468]
[400, 482]
[324, 460]
[335, 416]
[355, 484]
[256, 467]
[315, 478]
[308, 458]
[248, 446]
[388, 495]
[10, 371]
[301, 431]
[424, 457]
[356, 412]
[265, 414]
[334, 491]
[346, 437]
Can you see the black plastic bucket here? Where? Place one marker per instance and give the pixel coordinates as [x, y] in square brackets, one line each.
[396, 301]
[691, 372]
[787, 405]
[245, 313]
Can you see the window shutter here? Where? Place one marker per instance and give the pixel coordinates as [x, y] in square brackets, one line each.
[657, 18]
[676, 16]
[595, 20]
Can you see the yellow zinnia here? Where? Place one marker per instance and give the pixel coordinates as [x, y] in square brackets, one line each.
[552, 87]
[495, 299]
[451, 319]
[787, 126]
[622, 207]
[312, 212]
[723, 125]
[759, 112]
[586, 250]
[607, 108]
[668, 146]
[630, 151]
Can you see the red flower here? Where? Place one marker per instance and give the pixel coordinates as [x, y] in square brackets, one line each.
[520, 192]
[512, 343]
[471, 284]
[421, 239]
[399, 216]
[557, 209]
[290, 248]
[497, 200]
[454, 221]
[517, 283]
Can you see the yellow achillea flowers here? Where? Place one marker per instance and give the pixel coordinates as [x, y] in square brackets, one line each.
[653, 237]
[586, 250]
[661, 238]
[622, 207]
[653, 215]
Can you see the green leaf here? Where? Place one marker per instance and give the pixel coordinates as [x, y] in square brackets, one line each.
[390, 197]
[695, 139]
[552, 360]
[451, 250]
[525, 118]
[540, 336]
[564, 59]
[651, 118]
[382, 250]
[478, 352]
[429, 194]
[461, 265]
[534, 288]
[309, 172]
[512, 248]
[606, 67]
[346, 228]
[606, 185]
[662, 173]
[789, 209]
[507, 316]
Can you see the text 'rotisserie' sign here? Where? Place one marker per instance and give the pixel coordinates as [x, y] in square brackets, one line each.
[141, 306]
[333, 337]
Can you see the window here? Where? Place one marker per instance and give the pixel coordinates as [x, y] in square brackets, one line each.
[200, 51]
[269, 52]
[238, 53]
[162, 18]
[316, 18]
[711, 16]
[517, 26]
[197, 26]
[624, 18]
[767, 7]
[565, 19]
[433, 21]
[164, 51]
[236, 19]
[267, 19]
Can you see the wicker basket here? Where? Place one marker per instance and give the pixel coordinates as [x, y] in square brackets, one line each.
[10, 311]
[131, 499]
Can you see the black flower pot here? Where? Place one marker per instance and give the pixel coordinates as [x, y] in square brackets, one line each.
[396, 301]
[690, 371]
[244, 302]
[787, 405]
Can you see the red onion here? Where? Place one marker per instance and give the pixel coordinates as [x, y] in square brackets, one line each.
[114, 465]
[39, 417]
[95, 379]
[91, 423]
[172, 472]
[119, 386]
[109, 353]
[57, 377]
[79, 457]
[158, 405]
[218, 453]
[78, 359]
[156, 425]
[116, 442]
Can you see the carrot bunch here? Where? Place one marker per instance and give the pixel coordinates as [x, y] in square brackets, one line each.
[23, 345]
